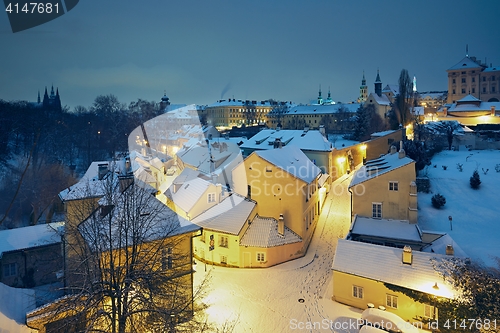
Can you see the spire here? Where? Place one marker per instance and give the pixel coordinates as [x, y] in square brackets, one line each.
[363, 81]
[57, 92]
[378, 77]
[467, 50]
[329, 94]
[320, 99]
[38, 100]
[414, 83]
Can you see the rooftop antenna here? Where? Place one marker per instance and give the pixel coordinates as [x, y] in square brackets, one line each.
[467, 50]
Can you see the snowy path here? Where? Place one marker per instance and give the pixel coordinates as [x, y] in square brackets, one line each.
[267, 300]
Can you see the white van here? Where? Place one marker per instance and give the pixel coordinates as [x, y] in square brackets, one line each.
[386, 321]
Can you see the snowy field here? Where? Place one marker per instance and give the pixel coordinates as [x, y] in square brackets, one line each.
[14, 303]
[475, 213]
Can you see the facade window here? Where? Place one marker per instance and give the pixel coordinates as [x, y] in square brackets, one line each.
[493, 89]
[453, 92]
[223, 241]
[473, 90]
[393, 186]
[484, 79]
[463, 72]
[454, 81]
[484, 89]
[269, 168]
[166, 258]
[211, 197]
[473, 79]
[9, 269]
[357, 292]
[428, 311]
[391, 301]
[202, 237]
[463, 80]
[463, 91]
[493, 78]
[377, 210]
[223, 260]
[261, 256]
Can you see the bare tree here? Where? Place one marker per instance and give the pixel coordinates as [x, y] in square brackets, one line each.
[129, 264]
[405, 99]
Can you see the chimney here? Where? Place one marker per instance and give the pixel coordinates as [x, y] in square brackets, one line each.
[277, 143]
[449, 250]
[281, 226]
[445, 111]
[177, 186]
[322, 130]
[401, 152]
[393, 150]
[407, 255]
[102, 170]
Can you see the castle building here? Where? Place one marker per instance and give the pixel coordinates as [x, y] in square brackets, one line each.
[471, 76]
[50, 102]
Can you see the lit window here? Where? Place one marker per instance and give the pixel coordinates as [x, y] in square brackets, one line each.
[429, 311]
[211, 197]
[392, 301]
[376, 210]
[261, 257]
[357, 292]
[393, 186]
[223, 241]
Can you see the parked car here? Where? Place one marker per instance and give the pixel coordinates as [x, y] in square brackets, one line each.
[386, 321]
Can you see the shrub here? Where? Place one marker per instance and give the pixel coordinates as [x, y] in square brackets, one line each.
[497, 167]
[460, 167]
[438, 201]
[475, 181]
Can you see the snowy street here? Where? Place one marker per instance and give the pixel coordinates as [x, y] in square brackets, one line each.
[267, 300]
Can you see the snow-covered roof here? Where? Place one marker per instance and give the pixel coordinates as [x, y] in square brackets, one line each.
[263, 232]
[229, 216]
[465, 63]
[135, 206]
[384, 264]
[239, 102]
[440, 244]
[184, 112]
[322, 109]
[185, 194]
[483, 107]
[292, 160]
[468, 98]
[198, 156]
[492, 69]
[305, 140]
[379, 166]
[32, 236]
[381, 100]
[393, 88]
[384, 133]
[392, 229]
[90, 185]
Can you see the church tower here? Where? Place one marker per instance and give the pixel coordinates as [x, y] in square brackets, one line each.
[165, 102]
[329, 99]
[378, 84]
[320, 99]
[363, 90]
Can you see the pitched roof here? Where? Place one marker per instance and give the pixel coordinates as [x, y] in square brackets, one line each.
[393, 229]
[185, 194]
[379, 166]
[263, 232]
[305, 140]
[464, 64]
[32, 236]
[292, 160]
[384, 264]
[322, 109]
[229, 216]
[381, 100]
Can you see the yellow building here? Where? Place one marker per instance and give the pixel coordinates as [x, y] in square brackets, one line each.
[471, 76]
[235, 236]
[469, 111]
[384, 188]
[232, 112]
[362, 273]
[284, 183]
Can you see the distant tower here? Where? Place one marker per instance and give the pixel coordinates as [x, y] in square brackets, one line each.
[320, 99]
[164, 101]
[378, 84]
[38, 100]
[329, 98]
[414, 84]
[363, 90]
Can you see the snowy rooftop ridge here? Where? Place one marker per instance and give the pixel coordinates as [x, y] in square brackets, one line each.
[305, 140]
[379, 166]
[394, 229]
[229, 216]
[32, 236]
[263, 232]
[384, 264]
[292, 160]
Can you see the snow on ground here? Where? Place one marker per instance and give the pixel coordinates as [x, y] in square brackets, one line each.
[475, 213]
[14, 304]
[267, 300]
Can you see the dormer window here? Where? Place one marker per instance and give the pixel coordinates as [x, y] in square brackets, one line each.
[211, 197]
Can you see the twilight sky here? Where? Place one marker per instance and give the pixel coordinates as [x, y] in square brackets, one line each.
[202, 50]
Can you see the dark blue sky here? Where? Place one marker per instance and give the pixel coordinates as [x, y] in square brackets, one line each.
[198, 50]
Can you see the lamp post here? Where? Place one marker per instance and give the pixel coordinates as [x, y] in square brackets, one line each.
[451, 224]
